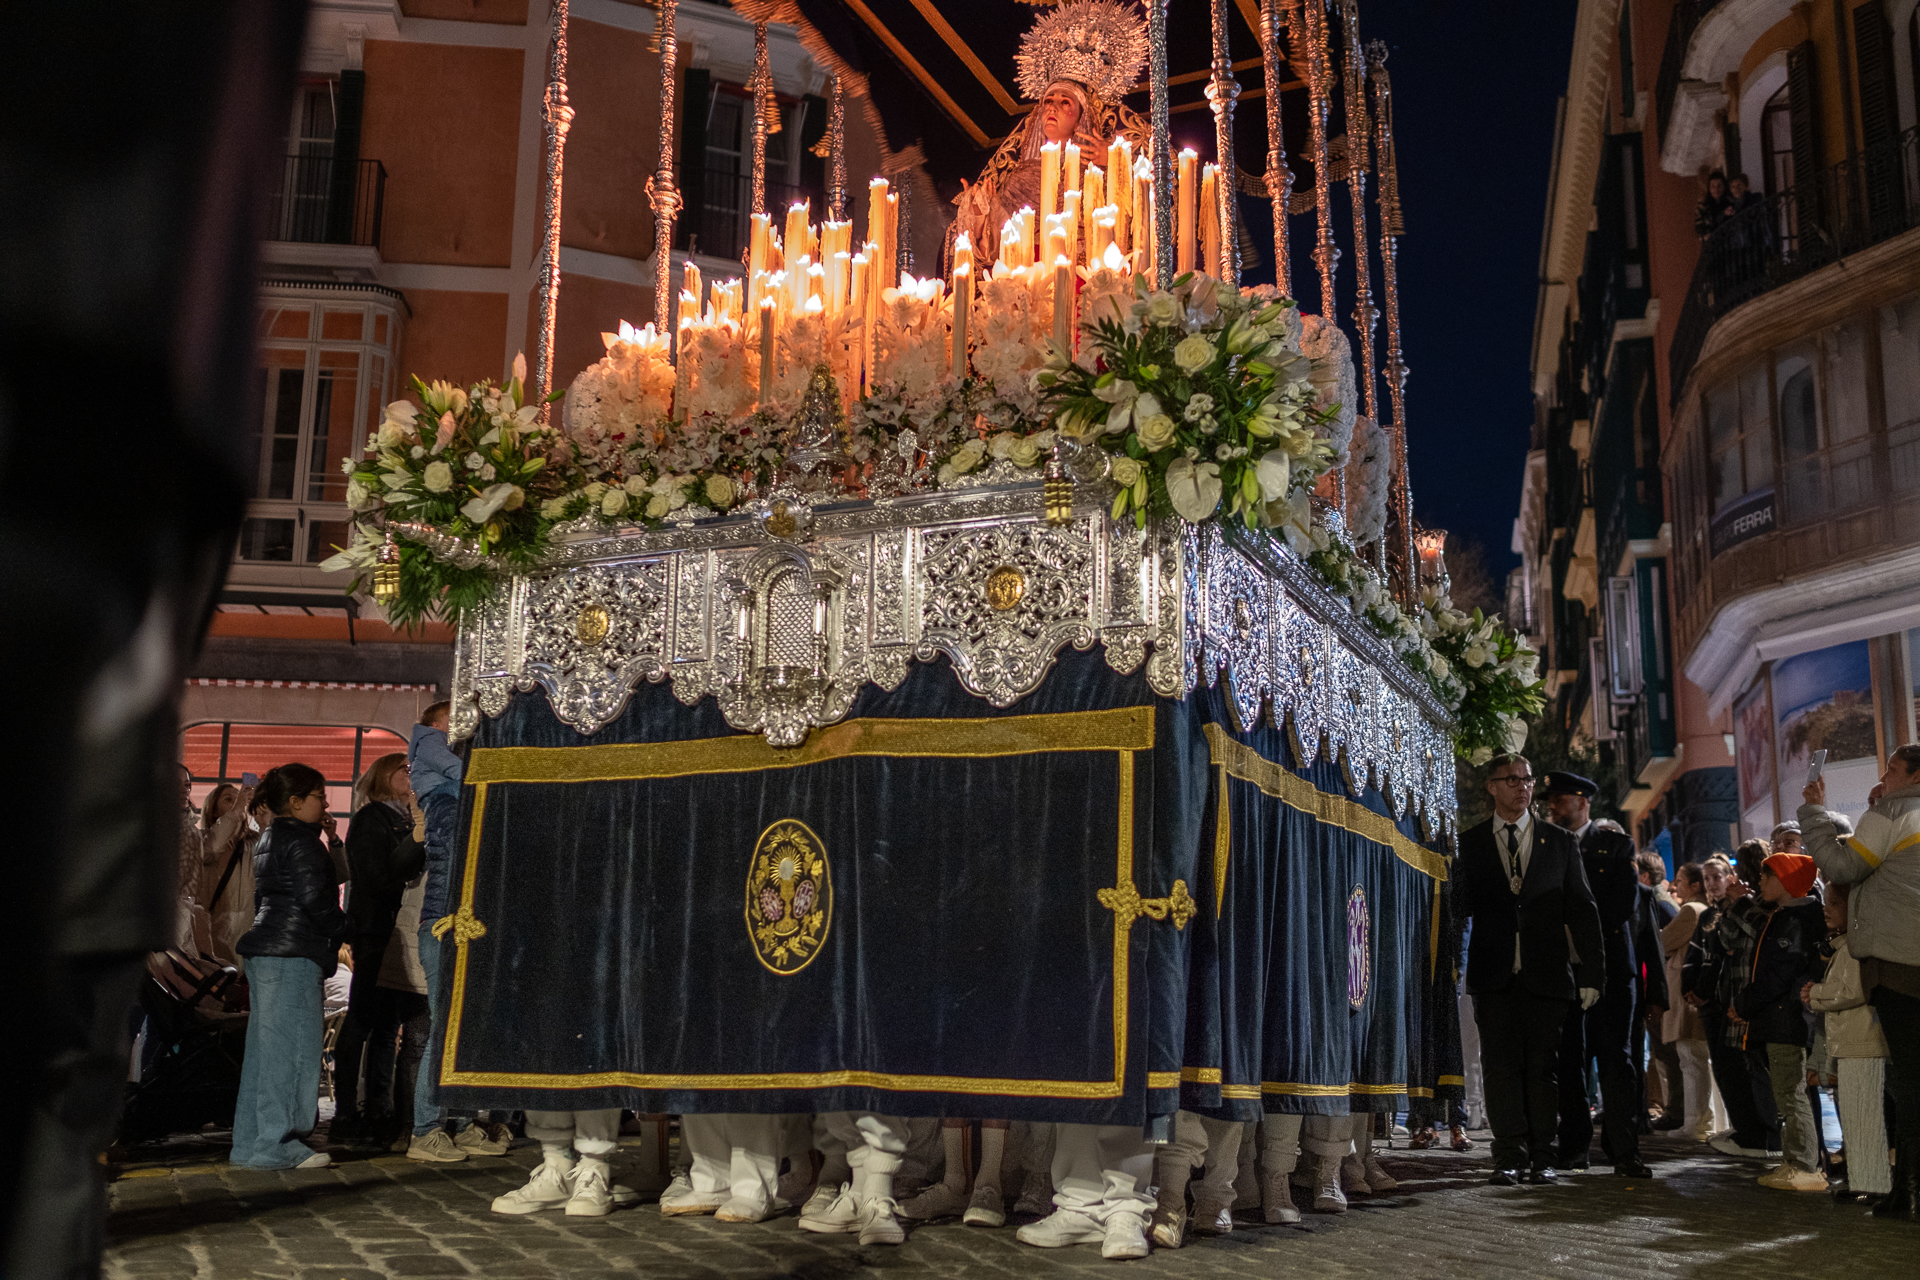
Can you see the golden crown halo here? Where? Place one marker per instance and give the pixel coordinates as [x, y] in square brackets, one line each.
[1101, 44]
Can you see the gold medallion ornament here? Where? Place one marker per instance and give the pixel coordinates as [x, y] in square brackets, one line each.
[789, 897]
[1005, 586]
[592, 625]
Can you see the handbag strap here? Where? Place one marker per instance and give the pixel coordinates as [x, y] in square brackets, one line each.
[239, 847]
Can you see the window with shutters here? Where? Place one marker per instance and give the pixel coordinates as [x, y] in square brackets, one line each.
[1776, 166]
[323, 371]
[1820, 387]
[1739, 438]
[1803, 130]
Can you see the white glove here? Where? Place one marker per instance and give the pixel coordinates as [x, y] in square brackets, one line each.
[1589, 997]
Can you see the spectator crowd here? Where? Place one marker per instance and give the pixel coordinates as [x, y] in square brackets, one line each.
[1737, 1004]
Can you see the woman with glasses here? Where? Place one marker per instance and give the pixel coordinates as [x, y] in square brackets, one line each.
[292, 948]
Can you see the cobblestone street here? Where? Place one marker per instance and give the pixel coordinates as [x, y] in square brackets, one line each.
[196, 1216]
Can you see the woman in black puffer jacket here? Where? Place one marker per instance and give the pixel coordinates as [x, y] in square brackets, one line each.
[292, 947]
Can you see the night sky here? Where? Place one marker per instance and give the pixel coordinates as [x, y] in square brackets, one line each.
[1477, 86]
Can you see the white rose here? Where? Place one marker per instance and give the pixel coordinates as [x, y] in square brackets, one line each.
[658, 505]
[1001, 444]
[1163, 308]
[1274, 470]
[390, 434]
[636, 485]
[1156, 432]
[554, 508]
[357, 495]
[614, 503]
[1126, 472]
[438, 477]
[1441, 667]
[720, 492]
[1193, 354]
[1475, 656]
[1024, 453]
[967, 456]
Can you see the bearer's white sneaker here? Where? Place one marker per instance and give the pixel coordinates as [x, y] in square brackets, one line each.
[750, 1209]
[880, 1223]
[1060, 1228]
[985, 1209]
[318, 1160]
[937, 1201]
[1276, 1198]
[550, 1187]
[592, 1190]
[821, 1200]
[681, 1200]
[1125, 1236]
[842, 1213]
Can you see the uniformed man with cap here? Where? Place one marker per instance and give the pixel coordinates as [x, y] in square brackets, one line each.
[1605, 1032]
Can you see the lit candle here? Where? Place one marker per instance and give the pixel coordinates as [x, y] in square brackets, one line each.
[757, 247]
[1103, 220]
[1210, 221]
[1093, 195]
[797, 281]
[816, 288]
[962, 304]
[1184, 222]
[682, 366]
[863, 356]
[962, 251]
[1056, 239]
[766, 354]
[1070, 222]
[1029, 246]
[837, 268]
[1071, 158]
[890, 248]
[1049, 178]
[1063, 303]
[877, 210]
[1009, 245]
[797, 232]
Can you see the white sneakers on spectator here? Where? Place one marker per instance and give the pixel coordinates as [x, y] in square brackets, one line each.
[434, 1148]
[550, 1187]
[318, 1160]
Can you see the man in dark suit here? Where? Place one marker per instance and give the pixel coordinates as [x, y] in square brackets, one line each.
[1606, 1031]
[1536, 951]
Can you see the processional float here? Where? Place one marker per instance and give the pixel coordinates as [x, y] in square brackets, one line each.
[1009, 692]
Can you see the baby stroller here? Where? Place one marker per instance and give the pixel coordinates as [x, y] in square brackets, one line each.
[196, 1037]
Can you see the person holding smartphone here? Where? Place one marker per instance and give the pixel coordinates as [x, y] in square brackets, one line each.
[1881, 861]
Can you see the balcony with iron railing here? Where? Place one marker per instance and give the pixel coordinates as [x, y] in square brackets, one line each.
[321, 200]
[1775, 240]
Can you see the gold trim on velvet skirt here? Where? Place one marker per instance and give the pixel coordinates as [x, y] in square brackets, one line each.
[1243, 762]
[1122, 730]
[1291, 1089]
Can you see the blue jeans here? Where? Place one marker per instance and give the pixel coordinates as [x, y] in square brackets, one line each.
[426, 1116]
[280, 1078]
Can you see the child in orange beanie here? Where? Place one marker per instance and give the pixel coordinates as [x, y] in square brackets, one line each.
[1785, 958]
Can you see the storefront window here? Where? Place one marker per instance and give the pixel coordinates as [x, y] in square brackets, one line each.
[217, 753]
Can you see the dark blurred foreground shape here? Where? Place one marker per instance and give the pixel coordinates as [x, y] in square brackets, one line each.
[131, 139]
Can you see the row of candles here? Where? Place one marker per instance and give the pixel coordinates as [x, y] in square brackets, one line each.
[813, 269]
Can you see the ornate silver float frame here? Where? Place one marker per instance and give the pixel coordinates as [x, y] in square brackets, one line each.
[785, 631]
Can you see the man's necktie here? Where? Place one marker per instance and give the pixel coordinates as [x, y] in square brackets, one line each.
[1513, 854]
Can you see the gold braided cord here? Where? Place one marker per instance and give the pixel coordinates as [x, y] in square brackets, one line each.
[1294, 791]
[1120, 729]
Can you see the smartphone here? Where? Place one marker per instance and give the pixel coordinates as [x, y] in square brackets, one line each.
[1819, 763]
[253, 779]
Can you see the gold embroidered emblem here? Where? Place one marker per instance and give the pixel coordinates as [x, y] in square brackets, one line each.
[789, 896]
[592, 625]
[1005, 586]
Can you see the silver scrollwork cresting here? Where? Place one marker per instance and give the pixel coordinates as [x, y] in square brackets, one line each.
[785, 632]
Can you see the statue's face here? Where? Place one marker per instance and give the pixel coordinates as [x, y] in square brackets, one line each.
[1059, 115]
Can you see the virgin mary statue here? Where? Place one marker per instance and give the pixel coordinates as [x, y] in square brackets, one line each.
[1075, 64]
